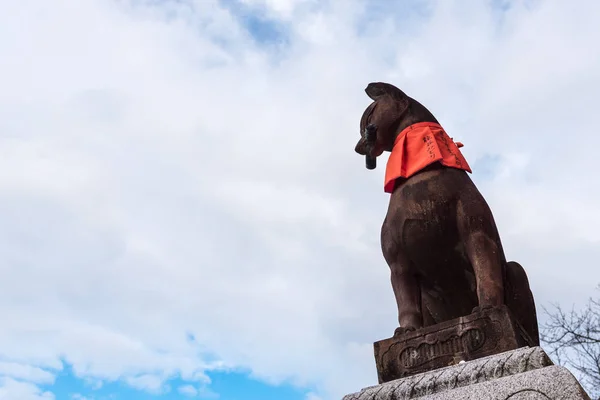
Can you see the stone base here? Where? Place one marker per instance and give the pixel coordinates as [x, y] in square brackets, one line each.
[523, 374]
[481, 334]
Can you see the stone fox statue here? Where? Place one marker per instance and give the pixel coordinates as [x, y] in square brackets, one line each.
[439, 237]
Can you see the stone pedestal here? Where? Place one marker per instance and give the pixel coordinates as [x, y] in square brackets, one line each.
[522, 374]
[481, 334]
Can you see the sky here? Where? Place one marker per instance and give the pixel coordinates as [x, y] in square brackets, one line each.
[182, 214]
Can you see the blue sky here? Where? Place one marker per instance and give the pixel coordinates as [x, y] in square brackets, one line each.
[181, 208]
[228, 386]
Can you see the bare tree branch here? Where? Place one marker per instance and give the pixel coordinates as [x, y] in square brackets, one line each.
[573, 339]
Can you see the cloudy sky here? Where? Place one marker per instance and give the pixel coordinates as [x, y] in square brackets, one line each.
[181, 209]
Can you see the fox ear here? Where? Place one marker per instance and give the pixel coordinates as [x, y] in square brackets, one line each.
[375, 90]
[390, 97]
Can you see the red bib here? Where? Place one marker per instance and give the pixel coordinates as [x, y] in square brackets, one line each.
[418, 146]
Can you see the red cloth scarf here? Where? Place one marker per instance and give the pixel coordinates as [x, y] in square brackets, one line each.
[418, 146]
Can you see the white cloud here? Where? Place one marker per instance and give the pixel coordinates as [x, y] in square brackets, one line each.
[162, 174]
[79, 396]
[312, 396]
[148, 382]
[284, 9]
[188, 390]
[203, 391]
[11, 389]
[26, 372]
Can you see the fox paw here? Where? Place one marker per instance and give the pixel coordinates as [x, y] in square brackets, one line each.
[401, 330]
[481, 308]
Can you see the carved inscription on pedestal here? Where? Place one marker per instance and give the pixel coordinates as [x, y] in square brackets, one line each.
[477, 335]
[468, 342]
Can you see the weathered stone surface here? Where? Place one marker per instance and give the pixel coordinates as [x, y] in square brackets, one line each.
[554, 383]
[481, 334]
[523, 374]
